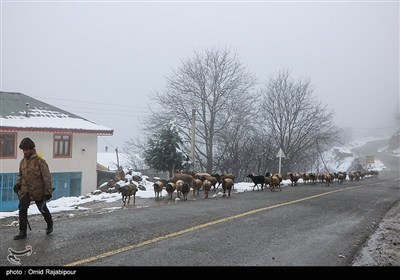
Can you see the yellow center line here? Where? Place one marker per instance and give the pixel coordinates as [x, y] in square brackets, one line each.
[175, 234]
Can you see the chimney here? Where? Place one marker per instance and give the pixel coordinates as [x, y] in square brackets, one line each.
[27, 110]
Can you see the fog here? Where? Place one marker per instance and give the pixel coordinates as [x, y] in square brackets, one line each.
[102, 60]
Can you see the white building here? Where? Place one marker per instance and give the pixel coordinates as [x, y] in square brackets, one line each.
[66, 141]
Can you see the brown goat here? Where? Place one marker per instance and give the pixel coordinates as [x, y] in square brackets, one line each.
[327, 179]
[207, 187]
[294, 178]
[341, 176]
[197, 184]
[127, 191]
[223, 176]
[275, 183]
[227, 184]
[178, 186]
[158, 187]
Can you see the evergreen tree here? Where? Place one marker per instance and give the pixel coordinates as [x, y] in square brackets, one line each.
[164, 151]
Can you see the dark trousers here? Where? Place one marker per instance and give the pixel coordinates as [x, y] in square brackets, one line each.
[23, 211]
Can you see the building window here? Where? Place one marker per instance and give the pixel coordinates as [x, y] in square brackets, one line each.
[62, 145]
[7, 145]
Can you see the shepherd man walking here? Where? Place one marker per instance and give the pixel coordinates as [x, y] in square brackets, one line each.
[33, 184]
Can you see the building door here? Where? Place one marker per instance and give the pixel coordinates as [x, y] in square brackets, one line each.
[8, 199]
[65, 184]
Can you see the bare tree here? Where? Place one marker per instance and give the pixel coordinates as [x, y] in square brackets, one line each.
[297, 122]
[231, 149]
[134, 150]
[218, 87]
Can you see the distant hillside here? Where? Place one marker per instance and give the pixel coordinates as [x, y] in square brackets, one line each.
[345, 159]
[394, 142]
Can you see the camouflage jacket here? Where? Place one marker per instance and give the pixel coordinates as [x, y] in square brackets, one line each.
[34, 178]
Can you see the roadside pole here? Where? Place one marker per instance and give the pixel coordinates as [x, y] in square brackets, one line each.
[280, 155]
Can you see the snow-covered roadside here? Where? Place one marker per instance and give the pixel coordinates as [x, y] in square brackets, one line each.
[383, 246]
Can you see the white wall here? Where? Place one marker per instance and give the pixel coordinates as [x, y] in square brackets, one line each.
[84, 158]
[81, 161]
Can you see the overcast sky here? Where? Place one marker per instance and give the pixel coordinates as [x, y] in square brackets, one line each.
[81, 56]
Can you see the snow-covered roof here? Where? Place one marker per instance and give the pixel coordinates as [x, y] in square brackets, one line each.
[21, 112]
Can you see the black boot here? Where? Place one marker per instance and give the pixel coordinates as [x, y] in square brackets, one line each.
[21, 235]
[49, 228]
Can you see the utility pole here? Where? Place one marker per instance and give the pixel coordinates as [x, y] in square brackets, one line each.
[320, 154]
[116, 151]
[193, 136]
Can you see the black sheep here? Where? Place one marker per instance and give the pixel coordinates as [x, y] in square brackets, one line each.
[259, 179]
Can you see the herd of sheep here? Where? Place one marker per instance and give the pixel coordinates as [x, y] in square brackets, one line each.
[183, 181]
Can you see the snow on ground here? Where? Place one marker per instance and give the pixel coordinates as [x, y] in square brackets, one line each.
[382, 247]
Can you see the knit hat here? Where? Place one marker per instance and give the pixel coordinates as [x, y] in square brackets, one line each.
[27, 143]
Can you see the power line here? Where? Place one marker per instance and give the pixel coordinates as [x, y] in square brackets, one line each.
[81, 101]
[96, 108]
[108, 114]
[131, 112]
[380, 127]
[114, 148]
[107, 142]
[104, 110]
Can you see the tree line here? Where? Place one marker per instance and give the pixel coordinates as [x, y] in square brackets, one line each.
[239, 128]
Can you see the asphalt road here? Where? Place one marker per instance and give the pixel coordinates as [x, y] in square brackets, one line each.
[305, 225]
